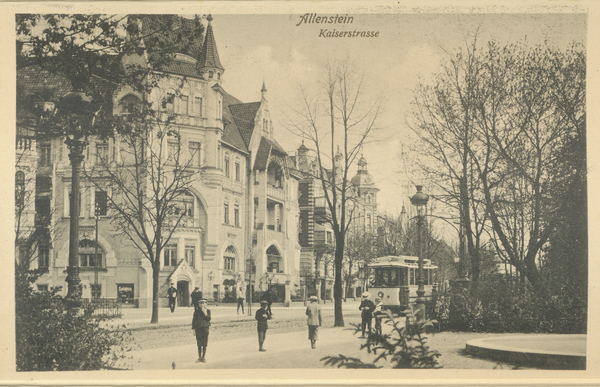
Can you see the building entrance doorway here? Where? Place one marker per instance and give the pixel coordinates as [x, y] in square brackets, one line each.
[183, 293]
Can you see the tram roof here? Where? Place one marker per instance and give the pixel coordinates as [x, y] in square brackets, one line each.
[400, 260]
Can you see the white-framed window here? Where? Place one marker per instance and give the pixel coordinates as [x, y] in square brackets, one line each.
[101, 203]
[226, 213]
[190, 254]
[195, 149]
[236, 215]
[226, 166]
[237, 171]
[90, 255]
[45, 154]
[229, 259]
[170, 255]
[183, 105]
[101, 152]
[173, 149]
[198, 106]
[43, 257]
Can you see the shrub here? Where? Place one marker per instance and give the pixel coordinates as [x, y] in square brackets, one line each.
[55, 334]
[405, 347]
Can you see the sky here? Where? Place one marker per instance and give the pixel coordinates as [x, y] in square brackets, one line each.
[408, 50]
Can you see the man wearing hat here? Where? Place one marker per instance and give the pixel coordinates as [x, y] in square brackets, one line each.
[172, 294]
[313, 311]
[262, 315]
[201, 325]
[196, 296]
[366, 307]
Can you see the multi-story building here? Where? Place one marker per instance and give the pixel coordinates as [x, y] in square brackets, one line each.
[316, 235]
[241, 210]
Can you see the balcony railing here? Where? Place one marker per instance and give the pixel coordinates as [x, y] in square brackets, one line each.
[275, 193]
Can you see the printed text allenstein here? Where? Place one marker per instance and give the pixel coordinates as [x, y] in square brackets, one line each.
[311, 18]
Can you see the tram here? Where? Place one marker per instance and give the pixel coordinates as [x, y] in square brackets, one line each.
[394, 280]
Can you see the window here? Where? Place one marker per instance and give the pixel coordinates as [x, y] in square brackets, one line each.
[96, 291]
[226, 213]
[218, 75]
[43, 257]
[237, 171]
[87, 254]
[169, 101]
[45, 155]
[250, 266]
[42, 288]
[210, 74]
[170, 255]
[369, 221]
[183, 105]
[42, 209]
[125, 293]
[20, 190]
[198, 106]
[411, 275]
[195, 153]
[128, 104]
[226, 166]
[185, 205]
[101, 152]
[101, 205]
[229, 258]
[173, 149]
[190, 255]
[236, 215]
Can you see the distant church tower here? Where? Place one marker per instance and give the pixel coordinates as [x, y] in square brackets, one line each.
[367, 191]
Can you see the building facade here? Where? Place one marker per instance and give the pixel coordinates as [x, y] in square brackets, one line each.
[240, 211]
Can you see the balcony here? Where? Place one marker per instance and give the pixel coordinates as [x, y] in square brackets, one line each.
[271, 234]
[275, 193]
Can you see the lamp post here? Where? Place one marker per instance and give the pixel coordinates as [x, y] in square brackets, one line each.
[419, 200]
[77, 106]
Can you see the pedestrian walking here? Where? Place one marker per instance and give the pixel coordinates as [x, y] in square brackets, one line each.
[378, 314]
[172, 294]
[268, 297]
[201, 325]
[366, 307]
[262, 315]
[313, 311]
[196, 297]
[241, 297]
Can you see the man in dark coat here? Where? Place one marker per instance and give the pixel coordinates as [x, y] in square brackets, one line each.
[366, 307]
[196, 297]
[262, 315]
[313, 311]
[172, 294]
[201, 325]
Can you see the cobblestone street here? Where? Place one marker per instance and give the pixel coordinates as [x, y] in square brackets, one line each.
[183, 335]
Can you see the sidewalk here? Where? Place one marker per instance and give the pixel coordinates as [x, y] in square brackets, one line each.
[134, 318]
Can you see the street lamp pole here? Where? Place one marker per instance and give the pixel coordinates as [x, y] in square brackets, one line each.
[76, 108]
[76, 146]
[419, 200]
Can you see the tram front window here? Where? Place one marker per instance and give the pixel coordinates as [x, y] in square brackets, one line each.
[386, 277]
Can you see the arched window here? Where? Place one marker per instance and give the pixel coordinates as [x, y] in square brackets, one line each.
[89, 256]
[229, 258]
[274, 261]
[128, 104]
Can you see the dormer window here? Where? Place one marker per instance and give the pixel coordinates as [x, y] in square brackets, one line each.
[210, 74]
[219, 76]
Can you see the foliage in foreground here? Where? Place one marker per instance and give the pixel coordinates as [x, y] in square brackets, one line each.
[53, 334]
[500, 307]
[404, 347]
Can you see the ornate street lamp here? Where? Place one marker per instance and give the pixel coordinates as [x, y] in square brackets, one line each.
[419, 200]
[77, 106]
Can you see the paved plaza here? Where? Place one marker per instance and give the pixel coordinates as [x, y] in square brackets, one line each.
[233, 342]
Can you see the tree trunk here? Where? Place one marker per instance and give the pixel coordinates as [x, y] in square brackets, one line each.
[337, 286]
[155, 273]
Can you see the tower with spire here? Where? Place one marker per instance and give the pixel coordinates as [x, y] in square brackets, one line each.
[209, 64]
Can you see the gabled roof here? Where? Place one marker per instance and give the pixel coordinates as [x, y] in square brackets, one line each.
[243, 114]
[265, 149]
[231, 134]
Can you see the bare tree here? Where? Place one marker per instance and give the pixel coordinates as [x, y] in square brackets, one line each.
[147, 185]
[340, 116]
